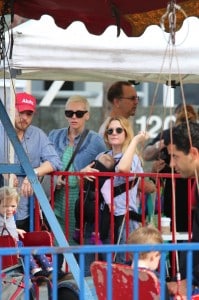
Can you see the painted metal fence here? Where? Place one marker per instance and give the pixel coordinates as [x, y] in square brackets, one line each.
[85, 286]
[89, 293]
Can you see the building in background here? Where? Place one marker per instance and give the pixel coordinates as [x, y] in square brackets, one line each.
[154, 102]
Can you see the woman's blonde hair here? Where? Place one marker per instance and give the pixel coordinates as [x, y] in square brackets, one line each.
[8, 194]
[145, 235]
[125, 124]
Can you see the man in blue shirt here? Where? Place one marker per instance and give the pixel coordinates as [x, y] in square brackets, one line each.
[38, 148]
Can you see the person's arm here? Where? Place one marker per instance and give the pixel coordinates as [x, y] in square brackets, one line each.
[151, 151]
[158, 166]
[44, 158]
[45, 168]
[125, 162]
[49, 158]
[149, 186]
[173, 289]
[26, 187]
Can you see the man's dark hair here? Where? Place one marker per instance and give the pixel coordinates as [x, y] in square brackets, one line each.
[116, 91]
[184, 137]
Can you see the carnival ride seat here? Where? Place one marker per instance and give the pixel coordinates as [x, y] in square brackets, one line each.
[35, 239]
[38, 239]
[7, 241]
[123, 281]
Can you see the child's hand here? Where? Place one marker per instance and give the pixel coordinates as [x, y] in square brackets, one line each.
[174, 289]
[60, 182]
[26, 188]
[88, 169]
[15, 180]
[21, 232]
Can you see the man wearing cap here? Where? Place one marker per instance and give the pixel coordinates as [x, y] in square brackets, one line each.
[38, 148]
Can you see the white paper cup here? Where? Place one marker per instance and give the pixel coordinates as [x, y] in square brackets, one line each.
[165, 225]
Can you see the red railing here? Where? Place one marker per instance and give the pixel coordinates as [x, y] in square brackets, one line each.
[142, 176]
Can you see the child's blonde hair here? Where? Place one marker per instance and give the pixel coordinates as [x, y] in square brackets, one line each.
[8, 194]
[145, 235]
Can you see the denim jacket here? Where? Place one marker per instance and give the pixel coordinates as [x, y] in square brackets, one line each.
[90, 148]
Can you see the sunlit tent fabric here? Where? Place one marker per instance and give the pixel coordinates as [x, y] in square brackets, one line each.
[44, 51]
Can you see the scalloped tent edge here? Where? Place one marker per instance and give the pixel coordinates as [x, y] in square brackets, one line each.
[44, 51]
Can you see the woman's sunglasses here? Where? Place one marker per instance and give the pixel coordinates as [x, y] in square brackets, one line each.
[117, 130]
[79, 113]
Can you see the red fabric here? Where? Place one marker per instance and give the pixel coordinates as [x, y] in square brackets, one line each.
[98, 14]
[37, 238]
[25, 102]
[10, 260]
[88, 11]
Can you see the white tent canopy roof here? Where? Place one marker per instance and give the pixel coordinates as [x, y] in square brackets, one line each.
[44, 51]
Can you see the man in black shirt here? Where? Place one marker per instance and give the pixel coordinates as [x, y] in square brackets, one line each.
[183, 146]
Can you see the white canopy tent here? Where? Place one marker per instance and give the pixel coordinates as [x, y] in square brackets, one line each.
[46, 52]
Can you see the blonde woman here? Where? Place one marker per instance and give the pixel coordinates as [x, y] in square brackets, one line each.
[122, 143]
[65, 140]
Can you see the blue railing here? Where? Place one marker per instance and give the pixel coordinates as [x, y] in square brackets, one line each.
[109, 250]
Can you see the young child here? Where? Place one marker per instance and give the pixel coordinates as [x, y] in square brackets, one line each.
[9, 199]
[150, 260]
[147, 260]
[104, 163]
[146, 235]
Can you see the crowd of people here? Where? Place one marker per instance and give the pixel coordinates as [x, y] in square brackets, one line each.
[116, 149]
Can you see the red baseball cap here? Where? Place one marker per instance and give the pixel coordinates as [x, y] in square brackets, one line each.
[24, 101]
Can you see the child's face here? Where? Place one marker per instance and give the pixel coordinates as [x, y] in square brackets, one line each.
[8, 208]
[154, 259]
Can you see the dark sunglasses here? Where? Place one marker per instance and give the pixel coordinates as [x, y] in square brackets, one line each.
[117, 130]
[79, 113]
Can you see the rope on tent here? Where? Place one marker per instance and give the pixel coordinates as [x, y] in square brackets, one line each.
[171, 52]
